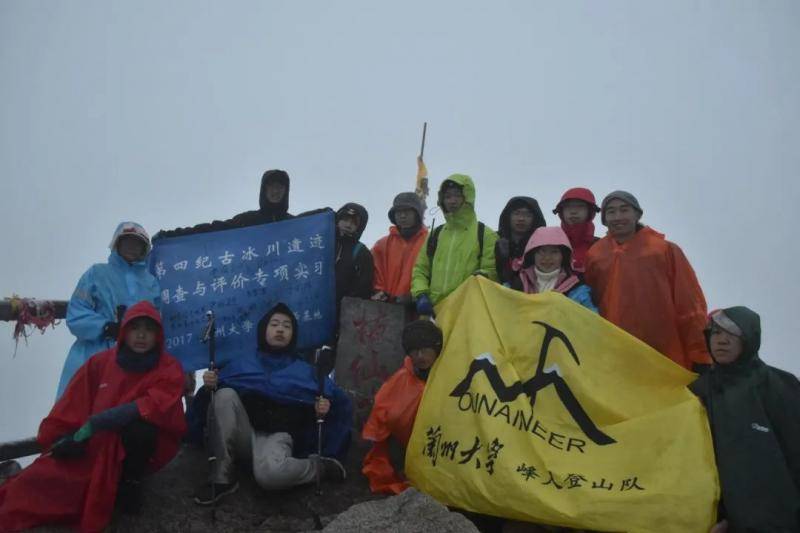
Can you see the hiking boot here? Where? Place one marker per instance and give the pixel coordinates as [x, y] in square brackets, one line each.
[332, 470]
[129, 496]
[209, 493]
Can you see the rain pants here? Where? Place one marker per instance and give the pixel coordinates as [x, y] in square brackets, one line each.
[81, 492]
[94, 303]
[755, 423]
[394, 259]
[647, 287]
[393, 414]
[457, 251]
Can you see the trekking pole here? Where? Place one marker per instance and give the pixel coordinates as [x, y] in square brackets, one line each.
[210, 337]
[321, 367]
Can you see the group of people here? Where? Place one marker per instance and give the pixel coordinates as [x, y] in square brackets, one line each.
[119, 411]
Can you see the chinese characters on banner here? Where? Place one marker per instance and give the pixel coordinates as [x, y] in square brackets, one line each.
[239, 274]
[539, 410]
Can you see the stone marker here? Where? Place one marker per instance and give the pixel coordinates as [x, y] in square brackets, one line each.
[369, 350]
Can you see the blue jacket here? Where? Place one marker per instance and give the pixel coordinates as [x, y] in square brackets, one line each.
[582, 294]
[94, 303]
[285, 379]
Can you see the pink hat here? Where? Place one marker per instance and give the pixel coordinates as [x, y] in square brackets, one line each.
[547, 236]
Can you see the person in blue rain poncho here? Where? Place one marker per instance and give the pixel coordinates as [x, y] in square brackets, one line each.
[264, 414]
[103, 294]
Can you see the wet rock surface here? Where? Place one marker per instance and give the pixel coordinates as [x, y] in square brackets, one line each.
[169, 505]
[409, 512]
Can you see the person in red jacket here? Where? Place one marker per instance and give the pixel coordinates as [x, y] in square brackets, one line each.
[120, 417]
[577, 209]
[645, 285]
[395, 254]
[396, 404]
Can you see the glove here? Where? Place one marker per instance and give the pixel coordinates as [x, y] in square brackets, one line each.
[72, 445]
[424, 305]
[111, 330]
[114, 418]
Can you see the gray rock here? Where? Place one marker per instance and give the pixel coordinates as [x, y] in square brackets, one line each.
[408, 512]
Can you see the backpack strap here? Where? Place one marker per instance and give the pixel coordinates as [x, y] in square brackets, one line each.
[481, 232]
[433, 241]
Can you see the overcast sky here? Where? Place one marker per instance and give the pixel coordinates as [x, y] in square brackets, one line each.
[167, 113]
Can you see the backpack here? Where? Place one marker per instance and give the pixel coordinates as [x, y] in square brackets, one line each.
[433, 240]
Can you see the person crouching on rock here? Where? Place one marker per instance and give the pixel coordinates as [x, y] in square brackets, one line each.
[120, 417]
[396, 404]
[264, 413]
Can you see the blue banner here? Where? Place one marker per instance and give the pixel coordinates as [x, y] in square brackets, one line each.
[239, 274]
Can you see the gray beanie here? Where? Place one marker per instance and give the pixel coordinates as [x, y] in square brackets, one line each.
[625, 196]
[406, 200]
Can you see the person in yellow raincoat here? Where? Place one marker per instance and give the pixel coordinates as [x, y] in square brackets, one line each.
[455, 250]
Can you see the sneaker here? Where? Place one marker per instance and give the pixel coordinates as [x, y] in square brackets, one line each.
[129, 496]
[211, 492]
[332, 470]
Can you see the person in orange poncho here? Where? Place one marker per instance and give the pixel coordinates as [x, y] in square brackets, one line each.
[120, 416]
[395, 254]
[645, 285]
[396, 404]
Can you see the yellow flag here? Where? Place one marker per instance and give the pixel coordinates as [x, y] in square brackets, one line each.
[422, 179]
[540, 410]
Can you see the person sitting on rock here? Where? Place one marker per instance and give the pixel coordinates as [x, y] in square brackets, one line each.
[120, 417]
[396, 404]
[264, 412]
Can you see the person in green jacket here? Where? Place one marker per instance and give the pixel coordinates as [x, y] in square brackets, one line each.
[460, 247]
[755, 424]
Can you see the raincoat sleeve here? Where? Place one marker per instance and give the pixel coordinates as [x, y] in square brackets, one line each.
[161, 403]
[690, 307]
[487, 260]
[583, 295]
[71, 410]
[83, 320]
[379, 470]
[421, 275]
